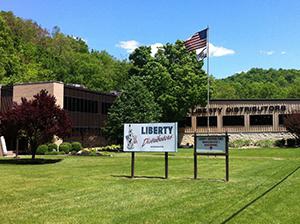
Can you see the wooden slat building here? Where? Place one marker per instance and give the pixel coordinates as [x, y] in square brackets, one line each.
[240, 116]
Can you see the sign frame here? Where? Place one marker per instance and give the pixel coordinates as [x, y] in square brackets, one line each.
[166, 152]
[224, 153]
[152, 137]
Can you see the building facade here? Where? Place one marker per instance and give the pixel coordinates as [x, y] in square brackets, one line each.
[240, 117]
[87, 109]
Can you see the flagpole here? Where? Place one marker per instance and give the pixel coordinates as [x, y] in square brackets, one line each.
[207, 72]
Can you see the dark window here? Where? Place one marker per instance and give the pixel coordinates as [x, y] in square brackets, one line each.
[233, 120]
[261, 119]
[202, 121]
[188, 122]
[80, 105]
[281, 118]
[73, 104]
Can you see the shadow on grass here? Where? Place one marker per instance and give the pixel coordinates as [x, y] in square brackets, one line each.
[28, 161]
[260, 196]
[138, 177]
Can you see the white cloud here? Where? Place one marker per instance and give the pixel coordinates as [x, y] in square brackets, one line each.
[129, 45]
[269, 53]
[79, 38]
[216, 51]
[283, 52]
[154, 48]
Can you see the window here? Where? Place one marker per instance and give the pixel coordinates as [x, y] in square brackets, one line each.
[281, 119]
[202, 121]
[188, 122]
[261, 119]
[80, 105]
[233, 120]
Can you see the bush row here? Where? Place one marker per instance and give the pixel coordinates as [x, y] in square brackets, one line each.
[100, 150]
[53, 149]
[290, 142]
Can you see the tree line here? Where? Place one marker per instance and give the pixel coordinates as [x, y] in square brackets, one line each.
[30, 53]
[260, 84]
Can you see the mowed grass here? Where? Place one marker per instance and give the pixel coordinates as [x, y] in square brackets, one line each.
[264, 187]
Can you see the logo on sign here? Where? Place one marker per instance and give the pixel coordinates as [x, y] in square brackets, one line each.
[131, 138]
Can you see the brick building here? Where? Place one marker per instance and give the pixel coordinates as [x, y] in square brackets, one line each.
[87, 109]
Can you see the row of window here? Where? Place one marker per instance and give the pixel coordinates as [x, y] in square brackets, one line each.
[82, 131]
[233, 120]
[84, 105]
[80, 105]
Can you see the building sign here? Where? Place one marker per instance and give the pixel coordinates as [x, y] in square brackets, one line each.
[150, 137]
[243, 109]
[211, 143]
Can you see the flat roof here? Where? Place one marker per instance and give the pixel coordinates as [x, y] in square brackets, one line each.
[69, 85]
[34, 83]
[247, 100]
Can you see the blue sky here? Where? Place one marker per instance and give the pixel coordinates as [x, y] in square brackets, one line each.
[243, 34]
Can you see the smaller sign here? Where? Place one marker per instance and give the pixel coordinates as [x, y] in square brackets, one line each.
[211, 144]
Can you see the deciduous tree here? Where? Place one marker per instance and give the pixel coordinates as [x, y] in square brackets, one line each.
[292, 124]
[135, 105]
[38, 119]
[174, 76]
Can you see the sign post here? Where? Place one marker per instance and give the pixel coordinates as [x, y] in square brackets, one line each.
[211, 145]
[132, 165]
[166, 165]
[150, 137]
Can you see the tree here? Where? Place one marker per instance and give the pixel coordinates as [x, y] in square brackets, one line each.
[292, 124]
[135, 105]
[29, 53]
[38, 120]
[259, 83]
[174, 76]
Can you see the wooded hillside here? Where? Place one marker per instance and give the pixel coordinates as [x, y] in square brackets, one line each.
[30, 53]
[259, 83]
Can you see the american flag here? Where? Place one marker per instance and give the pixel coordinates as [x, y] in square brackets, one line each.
[197, 41]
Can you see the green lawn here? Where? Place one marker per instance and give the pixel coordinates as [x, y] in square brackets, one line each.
[264, 187]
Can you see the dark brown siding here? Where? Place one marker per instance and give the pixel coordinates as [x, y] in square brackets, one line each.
[6, 98]
[87, 120]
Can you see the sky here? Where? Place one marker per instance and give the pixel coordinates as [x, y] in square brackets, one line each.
[242, 34]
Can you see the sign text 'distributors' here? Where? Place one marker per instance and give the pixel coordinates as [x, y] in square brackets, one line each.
[242, 109]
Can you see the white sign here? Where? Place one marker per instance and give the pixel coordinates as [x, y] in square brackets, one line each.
[3, 145]
[150, 137]
[211, 143]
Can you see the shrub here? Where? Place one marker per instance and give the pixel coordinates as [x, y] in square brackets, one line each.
[265, 143]
[73, 153]
[85, 152]
[110, 148]
[92, 154]
[52, 147]
[240, 143]
[291, 142]
[280, 142]
[76, 146]
[42, 149]
[65, 147]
